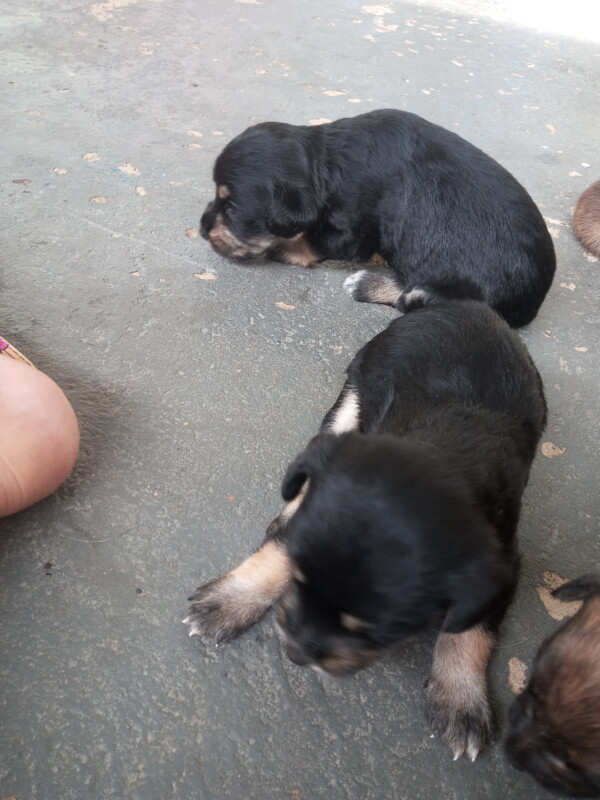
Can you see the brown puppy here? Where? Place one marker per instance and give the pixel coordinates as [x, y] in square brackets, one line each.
[586, 219]
[555, 723]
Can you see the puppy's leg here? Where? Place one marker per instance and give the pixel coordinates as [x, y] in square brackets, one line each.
[230, 604]
[296, 251]
[227, 606]
[373, 287]
[458, 709]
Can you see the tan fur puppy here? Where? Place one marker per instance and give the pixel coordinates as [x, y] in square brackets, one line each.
[586, 219]
[555, 723]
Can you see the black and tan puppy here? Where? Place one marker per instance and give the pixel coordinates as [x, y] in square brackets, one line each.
[402, 513]
[447, 218]
[555, 723]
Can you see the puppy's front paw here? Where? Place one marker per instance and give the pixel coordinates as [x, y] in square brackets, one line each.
[456, 693]
[223, 609]
[372, 287]
[460, 715]
[227, 606]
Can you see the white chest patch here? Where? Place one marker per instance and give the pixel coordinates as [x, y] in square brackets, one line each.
[347, 416]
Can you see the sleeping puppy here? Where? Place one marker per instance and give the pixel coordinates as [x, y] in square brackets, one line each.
[402, 513]
[447, 218]
[555, 723]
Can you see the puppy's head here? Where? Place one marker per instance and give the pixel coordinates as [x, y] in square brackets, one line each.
[265, 191]
[554, 728]
[383, 541]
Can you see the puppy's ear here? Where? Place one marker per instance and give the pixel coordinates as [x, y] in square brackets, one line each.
[293, 210]
[477, 591]
[580, 589]
[309, 463]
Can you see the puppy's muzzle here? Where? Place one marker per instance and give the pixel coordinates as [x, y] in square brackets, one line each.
[338, 660]
[224, 241]
[207, 220]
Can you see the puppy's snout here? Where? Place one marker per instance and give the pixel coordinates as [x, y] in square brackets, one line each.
[207, 220]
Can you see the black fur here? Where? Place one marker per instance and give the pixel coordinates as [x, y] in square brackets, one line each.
[446, 217]
[414, 516]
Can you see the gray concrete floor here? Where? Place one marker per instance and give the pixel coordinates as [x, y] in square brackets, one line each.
[194, 394]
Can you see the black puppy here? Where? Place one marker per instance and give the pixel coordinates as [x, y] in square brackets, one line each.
[555, 722]
[448, 219]
[403, 511]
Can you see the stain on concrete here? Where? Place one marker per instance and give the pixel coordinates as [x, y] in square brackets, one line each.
[556, 608]
[105, 11]
[517, 675]
[128, 169]
[551, 450]
[205, 276]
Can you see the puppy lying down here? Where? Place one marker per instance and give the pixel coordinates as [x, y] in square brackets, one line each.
[555, 723]
[447, 218]
[402, 513]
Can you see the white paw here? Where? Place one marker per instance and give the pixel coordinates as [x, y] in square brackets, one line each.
[353, 280]
[193, 628]
[415, 296]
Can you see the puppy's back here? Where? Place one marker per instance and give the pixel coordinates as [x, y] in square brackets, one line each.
[447, 202]
[586, 219]
[453, 353]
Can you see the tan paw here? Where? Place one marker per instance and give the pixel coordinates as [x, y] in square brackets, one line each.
[464, 723]
[223, 609]
[227, 606]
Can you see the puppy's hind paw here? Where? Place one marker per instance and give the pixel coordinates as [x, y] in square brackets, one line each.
[353, 281]
[372, 287]
[463, 724]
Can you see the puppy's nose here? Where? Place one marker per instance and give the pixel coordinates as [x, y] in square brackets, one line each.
[297, 655]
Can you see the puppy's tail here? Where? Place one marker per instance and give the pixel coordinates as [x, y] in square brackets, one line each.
[586, 219]
[376, 287]
[426, 295]
[579, 589]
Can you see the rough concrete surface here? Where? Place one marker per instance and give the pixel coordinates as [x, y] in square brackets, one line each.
[194, 394]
